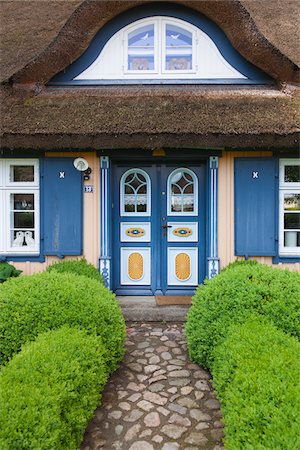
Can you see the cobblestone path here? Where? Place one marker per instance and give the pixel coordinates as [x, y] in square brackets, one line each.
[157, 399]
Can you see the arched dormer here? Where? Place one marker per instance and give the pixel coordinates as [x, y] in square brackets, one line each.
[160, 44]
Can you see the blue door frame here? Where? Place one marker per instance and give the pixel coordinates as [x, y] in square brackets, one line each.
[159, 173]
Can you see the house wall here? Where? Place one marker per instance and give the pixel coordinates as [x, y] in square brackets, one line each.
[91, 243]
[226, 211]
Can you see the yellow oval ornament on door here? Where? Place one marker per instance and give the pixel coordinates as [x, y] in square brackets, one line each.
[183, 232]
[183, 266]
[135, 266]
[135, 232]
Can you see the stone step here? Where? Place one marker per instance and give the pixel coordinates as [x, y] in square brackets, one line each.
[145, 309]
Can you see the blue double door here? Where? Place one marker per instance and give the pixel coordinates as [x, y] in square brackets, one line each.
[158, 228]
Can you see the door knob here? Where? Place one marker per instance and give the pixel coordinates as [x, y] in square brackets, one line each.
[166, 226]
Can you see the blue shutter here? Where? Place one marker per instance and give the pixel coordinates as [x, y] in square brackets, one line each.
[62, 207]
[255, 206]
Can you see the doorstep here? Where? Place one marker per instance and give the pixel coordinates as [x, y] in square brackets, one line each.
[146, 309]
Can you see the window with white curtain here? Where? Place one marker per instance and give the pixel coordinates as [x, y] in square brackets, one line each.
[19, 200]
[289, 207]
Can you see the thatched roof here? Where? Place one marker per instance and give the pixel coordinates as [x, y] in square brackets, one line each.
[40, 38]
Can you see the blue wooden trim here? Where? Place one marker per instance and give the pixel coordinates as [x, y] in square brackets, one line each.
[163, 81]
[160, 9]
[213, 261]
[105, 222]
[251, 251]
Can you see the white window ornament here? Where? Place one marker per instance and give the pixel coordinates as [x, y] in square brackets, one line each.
[160, 48]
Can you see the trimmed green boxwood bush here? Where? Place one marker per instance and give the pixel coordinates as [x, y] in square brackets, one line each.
[239, 290]
[7, 271]
[38, 303]
[78, 267]
[256, 375]
[49, 391]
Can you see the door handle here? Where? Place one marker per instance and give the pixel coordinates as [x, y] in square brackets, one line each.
[166, 226]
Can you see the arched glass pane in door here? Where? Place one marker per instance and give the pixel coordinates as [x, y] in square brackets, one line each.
[182, 193]
[135, 193]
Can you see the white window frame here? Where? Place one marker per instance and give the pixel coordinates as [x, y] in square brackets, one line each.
[122, 192]
[8, 187]
[160, 24]
[169, 194]
[286, 188]
[164, 23]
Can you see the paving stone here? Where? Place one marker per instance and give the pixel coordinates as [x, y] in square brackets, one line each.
[163, 411]
[179, 373]
[172, 367]
[122, 394]
[193, 366]
[132, 432]
[177, 408]
[145, 405]
[156, 387]
[196, 439]
[202, 385]
[161, 349]
[170, 344]
[164, 338]
[152, 419]
[159, 372]
[173, 390]
[212, 404]
[200, 416]
[157, 438]
[199, 395]
[180, 382]
[141, 445]
[134, 397]
[117, 445]
[141, 361]
[166, 356]
[173, 431]
[136, 387]
[171, 446]
[158, 378]
[202, 426]
[142, 345]
[177, 362]
[134, 415]
[145, 433]
[201, 374]
[179, 420]
[149, 349]
[142, 378]
[135, 367]
[151, 368]
[119, 429]
[125, 406]
[188, 402]
[186, 390]
[176, 351]
[154, 359]
[174, 397]
[115, 415]
[155, 398]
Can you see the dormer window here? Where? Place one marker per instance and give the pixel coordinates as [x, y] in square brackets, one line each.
[160, 49]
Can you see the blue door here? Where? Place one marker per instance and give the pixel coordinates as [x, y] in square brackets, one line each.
[158, 228]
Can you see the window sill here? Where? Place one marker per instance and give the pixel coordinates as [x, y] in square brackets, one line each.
[22, 258]
[292, 259]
